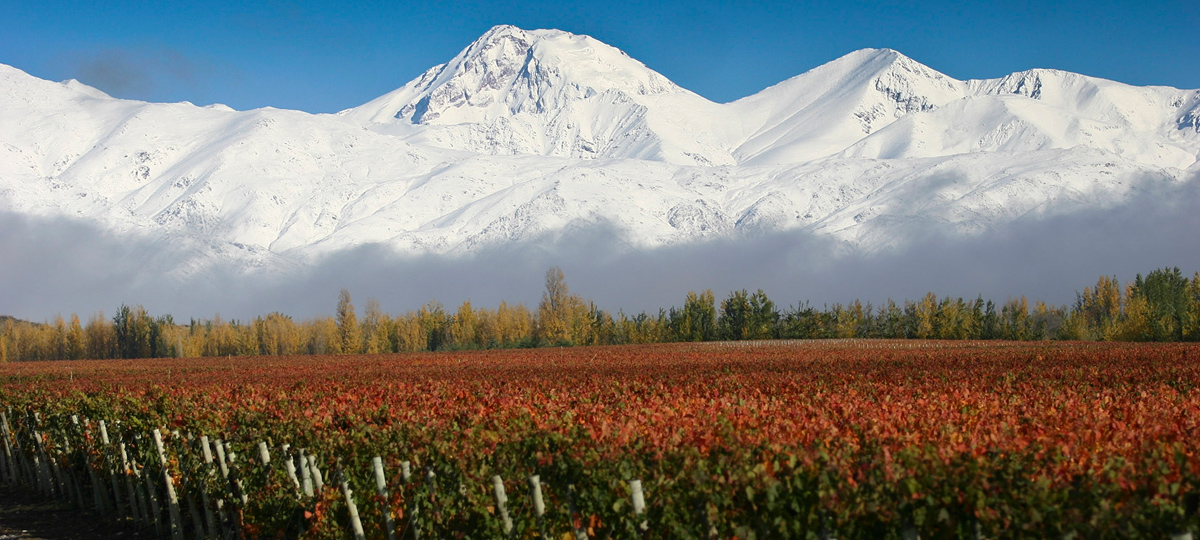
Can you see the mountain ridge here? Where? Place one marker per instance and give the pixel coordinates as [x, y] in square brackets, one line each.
[529, 132]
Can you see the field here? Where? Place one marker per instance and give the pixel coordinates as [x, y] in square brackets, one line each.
[846, 439]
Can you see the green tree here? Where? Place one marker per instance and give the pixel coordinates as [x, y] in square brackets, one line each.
[747, 316]
[1014, 319]
[801, 322]
[697, 321]
[135, 332]
[1191, 323]
[349, 334]
[1165, 292]
[735, 315]
[762, 318]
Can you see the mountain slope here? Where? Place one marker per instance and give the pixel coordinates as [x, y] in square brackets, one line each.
[823, 111]
[528, 134]
[552, 93]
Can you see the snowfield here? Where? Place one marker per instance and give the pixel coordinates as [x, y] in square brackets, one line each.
[528, 133]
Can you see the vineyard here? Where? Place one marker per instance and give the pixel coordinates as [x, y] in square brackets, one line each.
[811, 439]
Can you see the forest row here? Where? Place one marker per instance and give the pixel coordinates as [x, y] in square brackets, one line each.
[1164, 305]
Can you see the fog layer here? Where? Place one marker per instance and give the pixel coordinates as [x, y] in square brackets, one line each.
[51, 266]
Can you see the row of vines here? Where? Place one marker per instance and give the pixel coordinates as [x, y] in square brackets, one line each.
[855, 439]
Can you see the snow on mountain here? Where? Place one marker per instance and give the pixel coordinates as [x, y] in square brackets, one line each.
[827, 109]
[551, 93]
[527, 134]
[1044, 109]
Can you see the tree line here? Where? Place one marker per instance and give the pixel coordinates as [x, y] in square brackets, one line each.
[1164, 305]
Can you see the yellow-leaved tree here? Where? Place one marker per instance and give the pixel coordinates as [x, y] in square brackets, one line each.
[349, 334]
[563, 318]
[376, 329]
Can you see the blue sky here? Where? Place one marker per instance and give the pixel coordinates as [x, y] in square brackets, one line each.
[327, 56]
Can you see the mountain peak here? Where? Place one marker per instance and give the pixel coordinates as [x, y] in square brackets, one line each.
[505, 32]
[870, 148]
[547, 92]
[509, 69]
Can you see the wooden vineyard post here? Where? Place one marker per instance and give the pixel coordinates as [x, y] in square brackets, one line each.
[318, 480]
[12, 447]
[206, 453]
[66, 469]
[50, 466]
[225, 458]
[101, 502]
[108, 455]
[98, 495]
[151, 496]
[61, 483]
[28, 465]
[539, 505]
[184, 452]
[7, 472]
[148, 488]
[230, 457]
[135, 508]
[220, 447]
[290, 465]
[39, 461]
[502, 505]
[169, 483]
[355, 522]
[73, 476]
[430, 485]
[639, 503]
[10, 455]
[576, 517]
[406, 477]
[4, 459]
[21, 468]
[263, 454]
[389, 522]
[414, 507]
[306, 474]
[826, 530]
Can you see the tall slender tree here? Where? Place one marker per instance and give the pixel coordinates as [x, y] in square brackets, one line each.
[349, 334]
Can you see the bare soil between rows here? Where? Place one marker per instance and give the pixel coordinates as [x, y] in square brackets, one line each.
[25, 515]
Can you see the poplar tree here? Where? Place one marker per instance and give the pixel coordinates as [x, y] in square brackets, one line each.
[76, 346]
[552, 311]
[349, 334]
[376, 329]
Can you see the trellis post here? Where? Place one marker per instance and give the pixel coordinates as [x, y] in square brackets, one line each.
[169, 483]
[207, 455]
[502, 505]
[355, 522]
[389, 522]
[539, 505]
[639, 503]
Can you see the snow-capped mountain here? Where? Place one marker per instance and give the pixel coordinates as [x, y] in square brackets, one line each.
[526, 134]
[552, 93]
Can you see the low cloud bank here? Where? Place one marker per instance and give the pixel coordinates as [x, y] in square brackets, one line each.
[50, 266]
